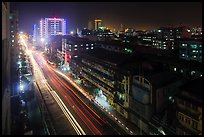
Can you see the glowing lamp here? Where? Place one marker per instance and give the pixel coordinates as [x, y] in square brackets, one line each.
[42, 39]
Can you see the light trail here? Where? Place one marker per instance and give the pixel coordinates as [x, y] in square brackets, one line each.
[92, 99]
[59, 84]
[38, 75]
[81, 100]
[67, 113]
[65, 110]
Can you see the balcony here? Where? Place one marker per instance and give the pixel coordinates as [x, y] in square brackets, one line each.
[96, 84]
[109, 83]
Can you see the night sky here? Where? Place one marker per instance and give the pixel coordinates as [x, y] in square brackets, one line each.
[138, 15]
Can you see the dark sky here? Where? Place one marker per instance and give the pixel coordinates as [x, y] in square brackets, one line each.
[138, 15]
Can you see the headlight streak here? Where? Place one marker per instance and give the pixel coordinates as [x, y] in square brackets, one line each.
[41, 76]
[38, 75]
[91, 98]
[67, 113]
[59, 84]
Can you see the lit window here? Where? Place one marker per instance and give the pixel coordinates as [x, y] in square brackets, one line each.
[91, 47]
[184, 45]
[70, 45]
[164, 47]
[13, 36]
[183, 55]
[87, 48]
[81, 45]
[91, 44]
[87, 44]
[181, 70]
[75, 45]
[12, 41]
[193, 46]
[75, 49]
[70, 50]
[174, 69]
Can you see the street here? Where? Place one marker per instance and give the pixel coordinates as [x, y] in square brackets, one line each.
[84, 117]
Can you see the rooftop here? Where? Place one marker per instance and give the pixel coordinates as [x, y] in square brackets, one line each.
[163, 78]
[112, 58]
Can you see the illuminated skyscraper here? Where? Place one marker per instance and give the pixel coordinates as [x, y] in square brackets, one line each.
[90, 25]
[98, 23]
[52, 26]
[35, 32]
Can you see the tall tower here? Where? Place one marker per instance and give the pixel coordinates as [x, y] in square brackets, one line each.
[98, 23]
[90, 25]
[52, 26]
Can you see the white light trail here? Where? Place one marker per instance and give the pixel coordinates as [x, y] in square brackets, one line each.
[39, 75]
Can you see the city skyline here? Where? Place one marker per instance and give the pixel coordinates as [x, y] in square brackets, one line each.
[147, 15]
[136, 70]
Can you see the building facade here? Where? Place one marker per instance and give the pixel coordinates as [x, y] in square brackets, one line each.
[98, 23]
[188, 107]
[101, 69]
[72, 48]
[190, 49]
[6, 75]
[36, 35]
[52, 26]
[90, 25]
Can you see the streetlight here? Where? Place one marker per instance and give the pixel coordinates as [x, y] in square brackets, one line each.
[21, 87]
[42, 39]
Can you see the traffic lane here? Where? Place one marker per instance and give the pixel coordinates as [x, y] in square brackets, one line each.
[88, 119]
[57, 85]
[114, 128]
[62, 126]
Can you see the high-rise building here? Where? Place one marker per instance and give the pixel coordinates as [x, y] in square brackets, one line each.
[98, 23]
[35, 32]
[6, 75]
[13, 17]
[190, 49]
[14, 43]
[52, 26]
[90, 25]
